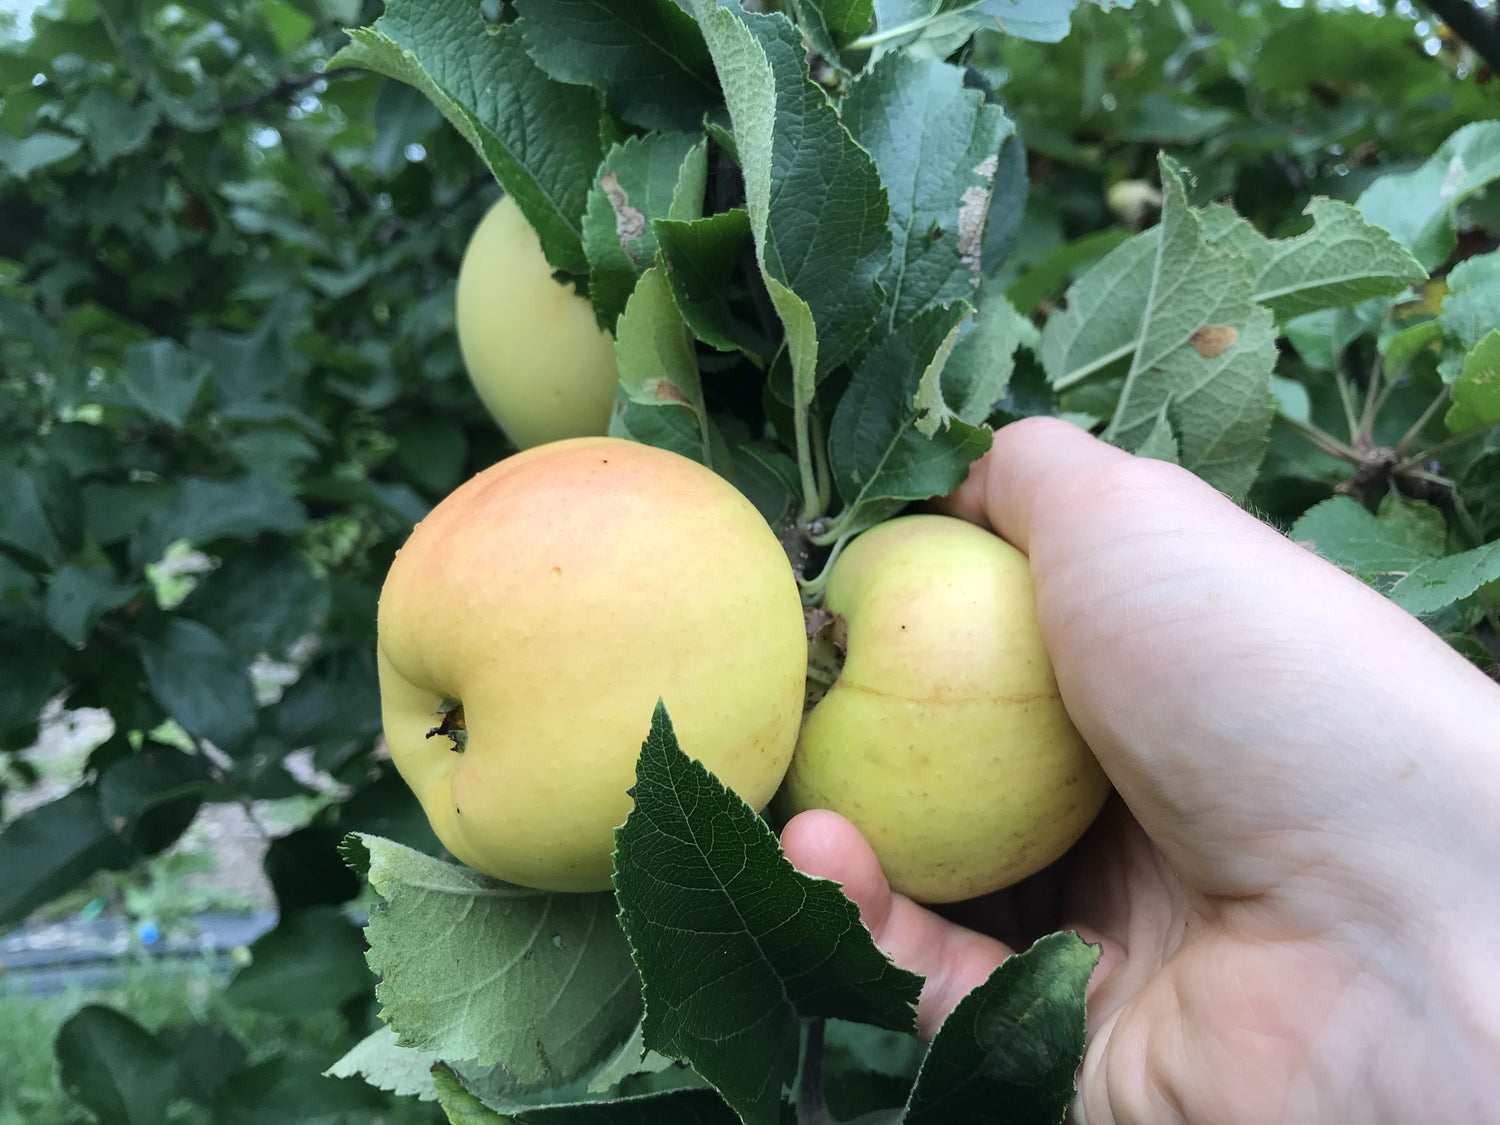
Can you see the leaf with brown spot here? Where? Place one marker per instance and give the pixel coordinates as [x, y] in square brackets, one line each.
[630, 224]
[1213, 340]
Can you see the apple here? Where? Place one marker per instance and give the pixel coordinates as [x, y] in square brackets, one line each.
[541, 364]
[944, 738]
[531, 622]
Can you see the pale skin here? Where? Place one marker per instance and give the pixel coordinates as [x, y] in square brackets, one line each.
[1297, 890]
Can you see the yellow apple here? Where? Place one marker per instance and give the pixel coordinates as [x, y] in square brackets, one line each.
[541, 364]
[530, 624]
[944, 739]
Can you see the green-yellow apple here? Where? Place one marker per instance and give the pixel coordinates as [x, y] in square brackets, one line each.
[944, 739]
[541, 364]
[531, 622]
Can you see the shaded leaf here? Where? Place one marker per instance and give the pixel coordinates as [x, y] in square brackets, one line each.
[713, 910]
[111, 1064]
[936, 144]
[313, 961]
[1007, 1054]
[198, 681]
[1476, 392]
[876, 452]
[540, 138]
[472, 968]
[658, 176]
[52, 849]
[648, 56]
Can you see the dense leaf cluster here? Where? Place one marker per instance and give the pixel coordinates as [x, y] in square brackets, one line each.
[836, 242]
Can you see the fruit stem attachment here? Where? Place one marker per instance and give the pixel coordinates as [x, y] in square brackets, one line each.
[451, 725]
[813, 504]
[812, 588]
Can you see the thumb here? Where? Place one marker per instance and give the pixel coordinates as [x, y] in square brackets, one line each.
[954, 960]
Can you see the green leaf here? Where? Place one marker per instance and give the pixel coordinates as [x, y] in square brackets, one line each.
[936, 144]
[876, 451]
[78, 596]
[290, 1087]
[52, 849]
[1476, 393]
[1049, 273]
[1404, 346]
[459, 1106]
[204, 511]
[206, 1055]
[119, 1070]
[381, 1062]
[1008, 1053]
[113, 127]
[701, 258]
[638, 182]
[37, 150]
[979, 370]
[846, 20]
[817, 209]
[290, 26]
[1395, 555]
[1417, 207]
[1341, 261]
[648, 56]
[1161, 443]
[687, 1107]
[262, 599]
[29, 682]
[1345, 534]
[23, 515]
[132, 787]
[312, 962]
[472, 968]
[539, 138]
[712, 909]
[1471, 308]
[198, 681]
[1179, 315]
[658, 366]
[1437, 583]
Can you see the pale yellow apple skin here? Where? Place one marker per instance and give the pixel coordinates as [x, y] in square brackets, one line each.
[543, 367]
[558, 595]
[944, 738]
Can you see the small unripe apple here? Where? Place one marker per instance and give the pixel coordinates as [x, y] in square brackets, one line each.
[530, 624]
[541, 364]
[944, 738]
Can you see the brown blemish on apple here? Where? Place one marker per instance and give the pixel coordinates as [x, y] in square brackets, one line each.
[1213, 340]
[554, 575]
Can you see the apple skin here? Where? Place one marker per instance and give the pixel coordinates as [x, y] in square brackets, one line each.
[557, 595]
[944, 738]
[542, 365]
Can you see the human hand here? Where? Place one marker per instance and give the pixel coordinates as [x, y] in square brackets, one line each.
[1295, 893]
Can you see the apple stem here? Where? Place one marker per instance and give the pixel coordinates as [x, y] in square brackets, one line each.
[812, 495]
[812, 588]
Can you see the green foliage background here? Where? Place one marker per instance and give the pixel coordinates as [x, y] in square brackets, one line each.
[229, 385]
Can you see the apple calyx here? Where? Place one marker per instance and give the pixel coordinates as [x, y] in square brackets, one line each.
[452, 725]
[827, 642]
